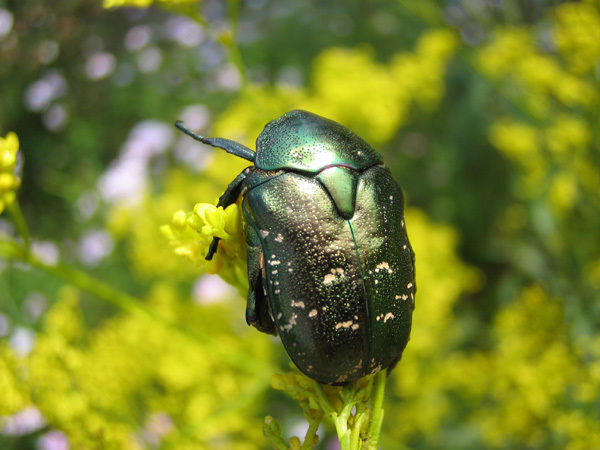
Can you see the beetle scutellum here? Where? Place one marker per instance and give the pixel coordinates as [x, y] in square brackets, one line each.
[330, 267]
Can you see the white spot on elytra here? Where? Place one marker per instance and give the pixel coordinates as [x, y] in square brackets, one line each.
[383, 265]
[333, 276]
[279, 238]
[346, 324]
[312, 313]
[376, 369]
[329, 278]
[341, 378]
[291, 323]
[275, 272]
[388, 316]
[299, 304]
[263, 233]
[403, 297]
[409, 285]
[274, 262]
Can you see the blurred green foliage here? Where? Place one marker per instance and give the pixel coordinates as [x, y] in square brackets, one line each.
[487, 112]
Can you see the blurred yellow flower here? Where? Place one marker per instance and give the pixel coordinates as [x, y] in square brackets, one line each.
[577, 35]
[14, 398]
[143, 3]
[9, 181]
[350, 86]
[102, 387]
[510, 46]
[568, 136]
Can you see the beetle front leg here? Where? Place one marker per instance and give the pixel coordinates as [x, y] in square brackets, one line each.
[229, 197]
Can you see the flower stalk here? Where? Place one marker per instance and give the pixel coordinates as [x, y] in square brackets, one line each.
[356, 410]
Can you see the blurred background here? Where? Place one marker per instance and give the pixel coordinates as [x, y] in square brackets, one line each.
[488, 114]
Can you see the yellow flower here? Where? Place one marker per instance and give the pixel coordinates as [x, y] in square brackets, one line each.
[142, 3]
[9, 182]
[191, 233]
[510, 46]
[577, 35]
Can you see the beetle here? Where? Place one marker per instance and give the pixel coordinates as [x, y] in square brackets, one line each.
[330, 266]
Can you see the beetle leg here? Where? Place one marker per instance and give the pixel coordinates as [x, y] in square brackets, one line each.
[257, 308]
[233, 191]
[229, 197]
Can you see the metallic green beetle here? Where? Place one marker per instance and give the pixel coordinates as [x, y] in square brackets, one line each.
[330, 267]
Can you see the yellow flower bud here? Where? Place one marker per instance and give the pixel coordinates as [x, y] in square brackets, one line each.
[179, 220]
[214, 221]
[9, 182]
[194, 222]
[8, 152]
[233, 220]
[6, 181]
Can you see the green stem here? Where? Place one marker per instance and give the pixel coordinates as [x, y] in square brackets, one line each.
[99, 289]
[232, 46]
[228, 354]
[355, 435]
[377, 414]
[272, 432]
[313, 426]
[20, 222]
[322, 399]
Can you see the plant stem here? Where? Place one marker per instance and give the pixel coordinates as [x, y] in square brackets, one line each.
[377, 411]
[15, 250]
[232, 46]
[20, 222]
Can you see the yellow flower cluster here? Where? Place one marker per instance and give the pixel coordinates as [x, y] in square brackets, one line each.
[351, 87]
[531, 385]
[577, 35]
[192, 233]
[9, 181]
[138, 226]
[13, 397]
[553, 147]
[143, 3]
[106, 388]
[420, 377]
[536, 379]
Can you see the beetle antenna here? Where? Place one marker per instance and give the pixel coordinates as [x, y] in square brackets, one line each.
[235, 148]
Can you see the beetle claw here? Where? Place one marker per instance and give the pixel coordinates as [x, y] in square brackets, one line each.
[213, 248]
